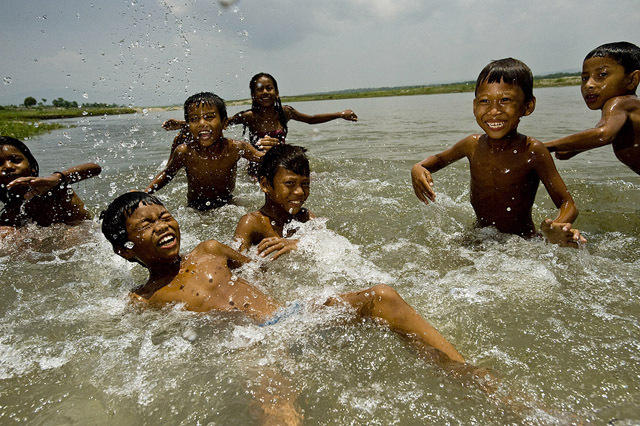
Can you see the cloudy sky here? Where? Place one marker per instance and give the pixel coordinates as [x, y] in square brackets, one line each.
[157, 52]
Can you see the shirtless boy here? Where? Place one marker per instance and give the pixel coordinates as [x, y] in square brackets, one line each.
[42, 200]
[141, 230]
[610, 76]
[283, 176]
[506, 167]
[210, 160]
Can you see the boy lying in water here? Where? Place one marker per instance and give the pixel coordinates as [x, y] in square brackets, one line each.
[141, 230]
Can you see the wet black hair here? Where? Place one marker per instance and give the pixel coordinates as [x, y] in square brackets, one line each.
[114, 218]
[8, 140]
[624, 53]
[252, 88]
[206, 98]
[510, 71]
[290, 157]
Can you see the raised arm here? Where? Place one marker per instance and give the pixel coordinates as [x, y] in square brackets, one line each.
[174, 164]
[614, 116]
[293, 114]
[40, 185]
[421, 172]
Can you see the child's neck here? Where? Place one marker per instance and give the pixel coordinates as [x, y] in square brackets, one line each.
[162, 274]
[508, 140]
[276, 213]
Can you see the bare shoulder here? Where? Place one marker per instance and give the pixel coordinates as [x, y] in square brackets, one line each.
[627, 103]
[254, 220]
[208, 247]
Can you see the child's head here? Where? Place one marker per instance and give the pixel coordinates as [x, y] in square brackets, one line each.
[504, 94]
[114, 218]
[510, 71]
[608, 71]
[206, 116]
[624, 53]
[205, 98]
[15, 161]
[284, 176]
[265, 93]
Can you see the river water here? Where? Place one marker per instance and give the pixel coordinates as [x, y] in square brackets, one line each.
[558, 326]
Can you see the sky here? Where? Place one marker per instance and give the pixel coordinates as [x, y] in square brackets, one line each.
[158, 52]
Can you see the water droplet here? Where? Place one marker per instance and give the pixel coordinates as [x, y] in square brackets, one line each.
[6, 81]
[508, 209]
[129, 245]
[85, 95]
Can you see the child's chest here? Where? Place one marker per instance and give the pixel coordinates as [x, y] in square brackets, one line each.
[500, 168]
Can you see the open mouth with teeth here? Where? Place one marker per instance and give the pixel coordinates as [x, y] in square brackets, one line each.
[167, 241]
[493, 125]
[205, 134]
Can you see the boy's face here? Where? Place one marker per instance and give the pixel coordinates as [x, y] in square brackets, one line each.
[205, 124]
[265, 93]
[13, 164]
[289, 190]
[155, 235]
[498, 108]
[603, 79]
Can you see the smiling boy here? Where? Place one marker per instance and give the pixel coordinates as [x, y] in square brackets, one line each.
[210, 161]
[506, 167]
[141, 230]
[610, 76]
[283, 176]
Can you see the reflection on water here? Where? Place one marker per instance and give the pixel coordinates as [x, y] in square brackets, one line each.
[559, 326]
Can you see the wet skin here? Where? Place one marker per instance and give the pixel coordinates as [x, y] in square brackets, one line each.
[606, 86]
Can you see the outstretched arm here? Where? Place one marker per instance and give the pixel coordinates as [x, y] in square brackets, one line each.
[40, 185]
[174, 124]
[165, 176]
[293, 114]
[613, 118]
[421, 172]
[249, 152]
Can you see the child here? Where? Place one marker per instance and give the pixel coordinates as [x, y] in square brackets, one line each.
[141, 230]
[506, 167]
[610, 76]
[42, 200]
[267, 119]
[283, 176]
[210, 161]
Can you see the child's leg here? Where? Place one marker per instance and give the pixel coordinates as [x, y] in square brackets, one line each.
[382, 301]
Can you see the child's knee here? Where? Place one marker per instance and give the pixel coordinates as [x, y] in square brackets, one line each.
[383, 294]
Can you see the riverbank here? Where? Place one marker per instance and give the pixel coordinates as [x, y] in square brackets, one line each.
[23, 123]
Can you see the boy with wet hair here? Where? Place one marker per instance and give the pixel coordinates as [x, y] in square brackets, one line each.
[506, 167]
[283, 176]
[210, 160]
[42, 200]
[610, 76]
[140, 229]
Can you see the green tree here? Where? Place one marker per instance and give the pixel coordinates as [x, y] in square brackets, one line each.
[30, 101]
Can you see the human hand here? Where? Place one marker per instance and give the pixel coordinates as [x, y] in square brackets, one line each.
[173, 124]
[422, 184]
[349, 115]
[276, 245]
[35, 185]
[562, 234]
[266, 143]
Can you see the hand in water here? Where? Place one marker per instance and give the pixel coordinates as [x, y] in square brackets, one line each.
[562, 234]
[276, 245]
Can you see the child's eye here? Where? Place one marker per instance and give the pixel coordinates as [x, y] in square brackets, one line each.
[503, 100]
[193, 118]
[603, 74]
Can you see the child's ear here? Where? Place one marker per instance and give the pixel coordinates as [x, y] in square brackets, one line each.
[634, 79]
[265, 186]
[531, 105]
[124, 252]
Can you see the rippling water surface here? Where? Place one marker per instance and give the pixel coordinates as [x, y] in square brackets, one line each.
[559, 326]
